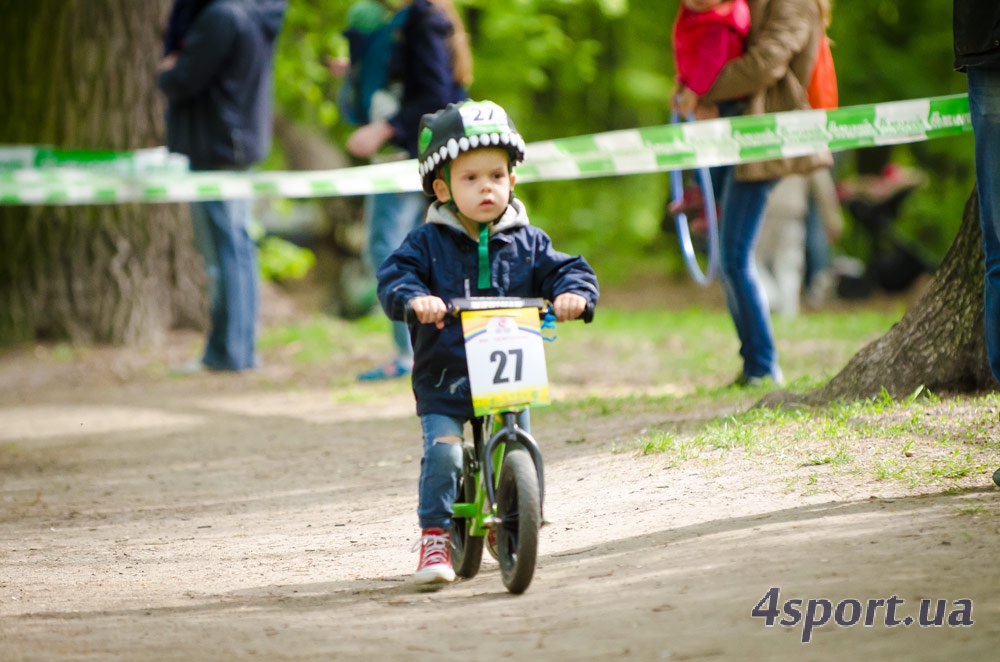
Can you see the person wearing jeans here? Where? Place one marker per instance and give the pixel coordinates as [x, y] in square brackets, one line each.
[771, 76]
[431, 64]
[221, 237]
[977, 53]
[388, 218]
[984, 105]
[217, 78]
[742, 217]
[976, 26]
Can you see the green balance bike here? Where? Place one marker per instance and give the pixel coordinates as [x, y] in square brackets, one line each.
[501, 489]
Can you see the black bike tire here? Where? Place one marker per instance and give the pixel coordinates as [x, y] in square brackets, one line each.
[519, 510]
[467, 549]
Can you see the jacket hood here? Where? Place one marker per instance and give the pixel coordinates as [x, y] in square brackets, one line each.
[269, 14]
[514, 216]
[734, 14]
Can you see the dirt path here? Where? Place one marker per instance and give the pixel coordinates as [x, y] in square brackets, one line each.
[224, 518]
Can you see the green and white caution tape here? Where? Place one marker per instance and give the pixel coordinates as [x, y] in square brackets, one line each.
[140, 161]
[745, 139]
[631, 151]
[79, 186]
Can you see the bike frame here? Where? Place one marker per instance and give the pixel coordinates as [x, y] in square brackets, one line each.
[481, 514]
[489, 454]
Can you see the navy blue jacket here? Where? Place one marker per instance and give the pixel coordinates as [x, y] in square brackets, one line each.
[439, 258]
[182, 15]
[976, 27]
[421, 61]
[219, 92]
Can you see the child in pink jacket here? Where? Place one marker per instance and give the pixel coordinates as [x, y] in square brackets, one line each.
[707, 34]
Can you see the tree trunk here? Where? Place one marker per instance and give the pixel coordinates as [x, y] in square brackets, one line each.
[81, 74]
[938, 344]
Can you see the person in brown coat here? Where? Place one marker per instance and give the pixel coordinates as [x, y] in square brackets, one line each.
[771, 76]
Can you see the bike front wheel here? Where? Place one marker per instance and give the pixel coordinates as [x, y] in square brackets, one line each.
[519, 510]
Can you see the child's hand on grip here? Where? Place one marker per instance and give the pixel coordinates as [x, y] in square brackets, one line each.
[568, 306]
[429, 310]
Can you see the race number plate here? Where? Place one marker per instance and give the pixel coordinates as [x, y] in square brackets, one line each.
[506, 359]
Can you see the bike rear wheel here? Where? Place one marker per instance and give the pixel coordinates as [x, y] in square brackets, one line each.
[491, 425]
[467, 549]
[519, 511]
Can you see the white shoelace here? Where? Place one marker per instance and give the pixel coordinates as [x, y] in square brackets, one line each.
[434, 550]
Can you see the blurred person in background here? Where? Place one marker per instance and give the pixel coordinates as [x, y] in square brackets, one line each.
[216, 75]
[976, 26]
[771, 76]
[782, 246]
[430, 66]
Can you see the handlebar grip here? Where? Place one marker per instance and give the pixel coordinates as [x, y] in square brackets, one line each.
[409, 318]
[587, 316]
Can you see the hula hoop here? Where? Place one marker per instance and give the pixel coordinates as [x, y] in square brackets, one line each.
[711, 216]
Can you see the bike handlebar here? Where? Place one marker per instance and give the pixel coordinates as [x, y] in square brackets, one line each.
[458, 305]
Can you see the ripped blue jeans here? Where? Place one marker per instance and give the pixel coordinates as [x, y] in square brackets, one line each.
[441, 466]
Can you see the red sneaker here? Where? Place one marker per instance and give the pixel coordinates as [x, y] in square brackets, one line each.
[435, 559]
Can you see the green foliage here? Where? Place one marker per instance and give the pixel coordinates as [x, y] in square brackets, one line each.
[875, 47]
[574, 67]
[304, 87]
[282, 260]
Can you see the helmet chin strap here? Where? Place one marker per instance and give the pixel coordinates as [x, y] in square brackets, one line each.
[484, 256]
[484, 282]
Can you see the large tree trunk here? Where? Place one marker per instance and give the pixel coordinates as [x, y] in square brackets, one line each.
[939, 342]
[81, 74]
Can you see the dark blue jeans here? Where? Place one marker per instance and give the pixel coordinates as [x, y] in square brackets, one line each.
[984, 104]
[818, 257]
[230, 255]
[389, 217]
[739, 226]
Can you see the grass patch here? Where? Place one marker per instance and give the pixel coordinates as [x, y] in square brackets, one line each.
[674, 448]
[309, 342]
[839, 456]
[921, 442]
[656, 383]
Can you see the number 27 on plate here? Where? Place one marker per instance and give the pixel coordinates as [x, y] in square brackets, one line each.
[506, 359]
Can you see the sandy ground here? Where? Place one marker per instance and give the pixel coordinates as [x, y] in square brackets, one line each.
[230, 517]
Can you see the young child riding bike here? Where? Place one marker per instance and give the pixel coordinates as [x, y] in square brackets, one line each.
[476, 241]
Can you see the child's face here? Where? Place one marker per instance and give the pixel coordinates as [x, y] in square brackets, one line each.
[702, 5]
[481, 183]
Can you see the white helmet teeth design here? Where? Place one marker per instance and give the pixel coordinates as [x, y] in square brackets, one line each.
[458, 128]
